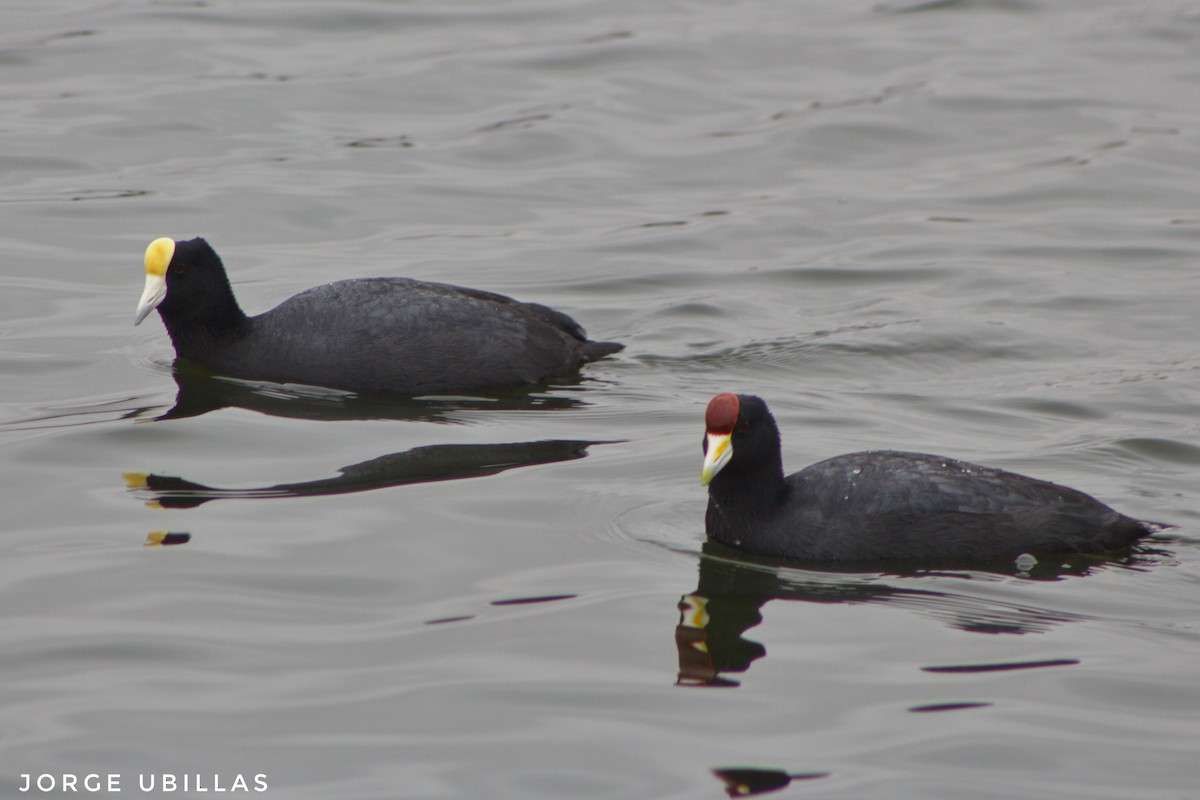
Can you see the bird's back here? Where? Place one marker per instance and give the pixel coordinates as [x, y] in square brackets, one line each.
[877, 505]
[404, 335]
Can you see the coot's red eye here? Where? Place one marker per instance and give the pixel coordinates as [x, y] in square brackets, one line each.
[743, 427]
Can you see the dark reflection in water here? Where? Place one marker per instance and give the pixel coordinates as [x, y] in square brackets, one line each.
[166, 538]
[932, 708]
[525, 601]
[200, 391]
[441, 462]
[733, 587]
[747, 781]
[1007, 666]
[506, 602]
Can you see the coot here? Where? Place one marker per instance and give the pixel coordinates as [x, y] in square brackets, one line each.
[885, 505]
[393, 335]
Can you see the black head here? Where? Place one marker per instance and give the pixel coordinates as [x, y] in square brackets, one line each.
[186, 282]
[740, 437]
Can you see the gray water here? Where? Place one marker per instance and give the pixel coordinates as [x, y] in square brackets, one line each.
[970, 228]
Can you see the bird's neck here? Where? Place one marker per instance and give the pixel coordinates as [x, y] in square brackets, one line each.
[204, 329]
[739, 502]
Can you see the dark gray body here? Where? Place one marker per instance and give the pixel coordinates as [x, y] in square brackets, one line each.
[890, 505]
[394, 335]
[403, 335]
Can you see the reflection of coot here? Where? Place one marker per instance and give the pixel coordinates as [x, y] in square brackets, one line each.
[886, 505]
[747, 781]
[392, 335]
[419, 465]
[200, 391]
[733, 587]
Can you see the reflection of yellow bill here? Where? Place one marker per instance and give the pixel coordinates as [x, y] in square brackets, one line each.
[139, 480]
[693, 611]
[135, 480]
[166, 538]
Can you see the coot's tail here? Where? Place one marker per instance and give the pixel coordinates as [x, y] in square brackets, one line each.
[593, 351]
[1155, 527]
[1127, 531]
[590, 351]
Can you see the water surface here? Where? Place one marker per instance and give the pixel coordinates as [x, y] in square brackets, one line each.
[970, 228]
